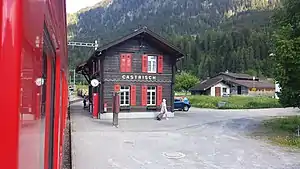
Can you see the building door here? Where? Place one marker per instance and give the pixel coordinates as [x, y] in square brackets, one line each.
[239, 90]
[217, 91]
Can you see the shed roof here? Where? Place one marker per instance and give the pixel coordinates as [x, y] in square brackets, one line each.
[256, 84]
[206, 84]
[237, 75]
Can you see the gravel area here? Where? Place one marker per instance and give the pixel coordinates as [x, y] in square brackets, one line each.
[199, 139]
[67, 161]
[67, 154]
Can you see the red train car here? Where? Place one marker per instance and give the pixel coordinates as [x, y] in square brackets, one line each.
[33, 83]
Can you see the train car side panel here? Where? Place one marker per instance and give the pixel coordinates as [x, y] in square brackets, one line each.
[10, 51]
[33, 82]
[32, 112]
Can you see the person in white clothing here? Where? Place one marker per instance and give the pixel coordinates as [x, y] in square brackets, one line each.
[164, 108]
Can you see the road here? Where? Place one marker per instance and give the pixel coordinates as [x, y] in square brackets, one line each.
[199, 139]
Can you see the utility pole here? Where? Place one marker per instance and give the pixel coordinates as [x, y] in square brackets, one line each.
[82, 44]
[74, 81]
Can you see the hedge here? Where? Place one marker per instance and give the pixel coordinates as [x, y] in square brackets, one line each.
[234, 102]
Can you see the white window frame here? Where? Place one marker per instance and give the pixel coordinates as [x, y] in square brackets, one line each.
[124, 89]
[152, 90]
[152, 64]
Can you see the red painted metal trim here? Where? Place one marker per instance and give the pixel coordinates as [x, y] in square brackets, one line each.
[62, 122]
[95, 104]
[10, 52]
[38, 106]
[48, 101]
[57, 113]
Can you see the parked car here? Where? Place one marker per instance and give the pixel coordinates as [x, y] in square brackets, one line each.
[182, 104]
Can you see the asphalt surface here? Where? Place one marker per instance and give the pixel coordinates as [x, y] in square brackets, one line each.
[199, 139]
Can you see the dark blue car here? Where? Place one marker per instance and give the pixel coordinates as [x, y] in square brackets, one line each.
[182, 104]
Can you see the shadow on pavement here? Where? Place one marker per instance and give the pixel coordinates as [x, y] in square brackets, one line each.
[78, 110]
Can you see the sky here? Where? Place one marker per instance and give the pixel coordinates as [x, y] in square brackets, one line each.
[75, 5]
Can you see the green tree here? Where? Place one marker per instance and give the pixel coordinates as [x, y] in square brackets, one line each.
[287, 52]
[184, 81]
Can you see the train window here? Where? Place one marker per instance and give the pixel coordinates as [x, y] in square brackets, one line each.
[33, 110]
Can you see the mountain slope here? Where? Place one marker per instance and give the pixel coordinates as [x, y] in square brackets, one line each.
[200, 27]
[109, 17]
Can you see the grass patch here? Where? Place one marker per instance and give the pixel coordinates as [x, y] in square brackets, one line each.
[234, 102]
[281, 131]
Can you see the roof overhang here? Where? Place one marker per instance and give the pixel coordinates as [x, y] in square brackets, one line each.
[145, 33]
[151, 36]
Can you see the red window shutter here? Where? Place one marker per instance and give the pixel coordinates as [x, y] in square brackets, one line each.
[145, 63]
[144, 95]
[122, 63]
[133, 95]
[128, 62]
[116, 88]
[160, 64]
[159, 95]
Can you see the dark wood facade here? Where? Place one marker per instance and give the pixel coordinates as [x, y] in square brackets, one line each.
[123, 66]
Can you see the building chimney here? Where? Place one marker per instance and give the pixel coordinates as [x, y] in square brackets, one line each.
[226, 71]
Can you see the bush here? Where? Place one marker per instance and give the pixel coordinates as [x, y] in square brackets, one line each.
[234, 102]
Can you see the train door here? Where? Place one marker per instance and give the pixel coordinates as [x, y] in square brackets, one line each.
[49, 98]
[47, 108]
[52, 114]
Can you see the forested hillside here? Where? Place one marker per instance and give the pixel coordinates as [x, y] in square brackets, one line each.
[216, 35]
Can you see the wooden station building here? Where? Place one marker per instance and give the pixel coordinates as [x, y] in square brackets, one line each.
[141, 66]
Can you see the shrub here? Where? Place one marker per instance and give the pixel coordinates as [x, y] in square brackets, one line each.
[234, 102]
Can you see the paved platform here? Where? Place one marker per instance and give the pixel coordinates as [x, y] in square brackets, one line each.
[73, 99]
[199, 139]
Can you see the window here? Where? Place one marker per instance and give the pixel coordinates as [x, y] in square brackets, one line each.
[151, 96]
[152, 64]
[124, 95]
[224, 90]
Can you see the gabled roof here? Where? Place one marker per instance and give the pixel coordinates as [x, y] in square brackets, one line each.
[256, 84]
[150, 35]
[237, 75]
[206, 84]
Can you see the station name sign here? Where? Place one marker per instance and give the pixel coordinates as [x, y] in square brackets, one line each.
[139, 77]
